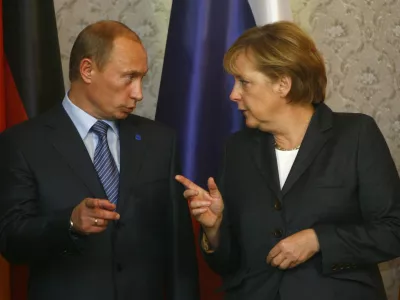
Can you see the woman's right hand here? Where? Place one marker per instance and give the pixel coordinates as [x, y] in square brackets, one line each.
[206, 207]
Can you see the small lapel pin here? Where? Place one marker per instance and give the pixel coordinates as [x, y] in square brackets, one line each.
[138, 137]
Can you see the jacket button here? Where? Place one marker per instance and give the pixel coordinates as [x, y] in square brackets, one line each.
[277, 233]
[278, 205]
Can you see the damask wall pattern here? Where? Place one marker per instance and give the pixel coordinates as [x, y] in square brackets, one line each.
[360, 42]
[359, 39]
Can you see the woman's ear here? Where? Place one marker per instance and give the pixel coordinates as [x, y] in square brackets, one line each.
[284, 85]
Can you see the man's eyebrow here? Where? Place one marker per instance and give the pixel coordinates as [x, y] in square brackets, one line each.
[135, 73]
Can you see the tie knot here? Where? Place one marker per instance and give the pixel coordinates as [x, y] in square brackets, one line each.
[100, 128]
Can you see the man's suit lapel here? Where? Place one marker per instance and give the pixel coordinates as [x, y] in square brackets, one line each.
[67, 141]
[317, 135]
[265, 160]
[133, 142]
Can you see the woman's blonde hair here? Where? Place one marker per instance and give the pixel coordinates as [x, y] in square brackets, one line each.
[283, 49]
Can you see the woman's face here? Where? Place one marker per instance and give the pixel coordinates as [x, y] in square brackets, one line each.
[260, 99]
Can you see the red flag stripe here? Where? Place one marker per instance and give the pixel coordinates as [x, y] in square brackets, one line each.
[12, 112]
[15, 111]
[5, 293]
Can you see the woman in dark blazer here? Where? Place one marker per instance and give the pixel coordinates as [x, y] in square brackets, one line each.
[309, 200]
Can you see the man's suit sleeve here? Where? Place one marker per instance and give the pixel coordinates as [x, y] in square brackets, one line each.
[26, 234]
[378, 238]
[182, 273]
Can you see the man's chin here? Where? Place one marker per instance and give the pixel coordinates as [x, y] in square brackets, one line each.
[121, 115]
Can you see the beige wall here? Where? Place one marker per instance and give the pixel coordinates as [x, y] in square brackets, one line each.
[360, 40]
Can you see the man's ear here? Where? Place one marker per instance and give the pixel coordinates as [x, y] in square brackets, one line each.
[87, 68]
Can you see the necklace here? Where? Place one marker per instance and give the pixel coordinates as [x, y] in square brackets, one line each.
[291, 149]
[283, 149]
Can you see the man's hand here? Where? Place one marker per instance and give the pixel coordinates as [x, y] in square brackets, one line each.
[294, 250]
[92, 215]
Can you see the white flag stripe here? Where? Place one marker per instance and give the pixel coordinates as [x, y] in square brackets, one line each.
[269, 11]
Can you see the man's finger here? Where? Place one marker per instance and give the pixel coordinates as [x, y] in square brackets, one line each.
[106, 215]
[99, 203]
[187, 183]
[106, 204]
[100, 222]
[96, 229]
[91, 202]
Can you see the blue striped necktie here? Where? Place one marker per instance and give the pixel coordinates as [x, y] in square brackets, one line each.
[104, 162]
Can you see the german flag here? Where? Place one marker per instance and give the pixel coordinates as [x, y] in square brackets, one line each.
[30, 82]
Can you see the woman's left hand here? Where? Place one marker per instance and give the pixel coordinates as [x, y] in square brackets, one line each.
[294, 250]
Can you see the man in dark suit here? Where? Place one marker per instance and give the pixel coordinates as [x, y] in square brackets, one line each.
[87, 192]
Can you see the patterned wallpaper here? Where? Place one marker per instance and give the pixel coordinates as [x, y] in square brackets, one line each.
[360, 41]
